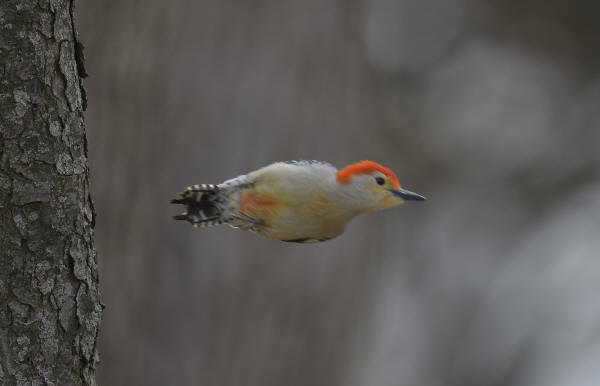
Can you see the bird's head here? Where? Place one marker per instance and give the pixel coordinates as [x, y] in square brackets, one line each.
[375, 185]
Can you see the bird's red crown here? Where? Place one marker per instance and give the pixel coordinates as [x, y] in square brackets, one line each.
[344, 175]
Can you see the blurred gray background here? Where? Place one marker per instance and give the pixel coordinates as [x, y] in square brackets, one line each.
[489, 108]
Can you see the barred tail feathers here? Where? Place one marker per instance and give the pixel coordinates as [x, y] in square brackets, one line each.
[202, 204]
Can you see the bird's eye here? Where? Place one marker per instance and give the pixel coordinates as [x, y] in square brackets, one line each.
[380, 180]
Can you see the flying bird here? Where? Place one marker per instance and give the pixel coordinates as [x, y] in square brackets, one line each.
[295, 201]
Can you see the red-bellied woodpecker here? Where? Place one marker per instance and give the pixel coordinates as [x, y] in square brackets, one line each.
[299, 201]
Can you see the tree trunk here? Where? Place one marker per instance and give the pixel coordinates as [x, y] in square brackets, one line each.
[49, 301]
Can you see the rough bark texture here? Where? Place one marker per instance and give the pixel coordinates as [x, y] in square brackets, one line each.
[49, 300]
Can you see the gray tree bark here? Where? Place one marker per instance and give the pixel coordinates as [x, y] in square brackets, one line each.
[49, 300]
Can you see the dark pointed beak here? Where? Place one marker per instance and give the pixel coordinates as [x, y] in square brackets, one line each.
[407, 195]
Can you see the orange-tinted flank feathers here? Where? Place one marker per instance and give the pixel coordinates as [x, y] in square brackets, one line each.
[365, 167]
[255, 204]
